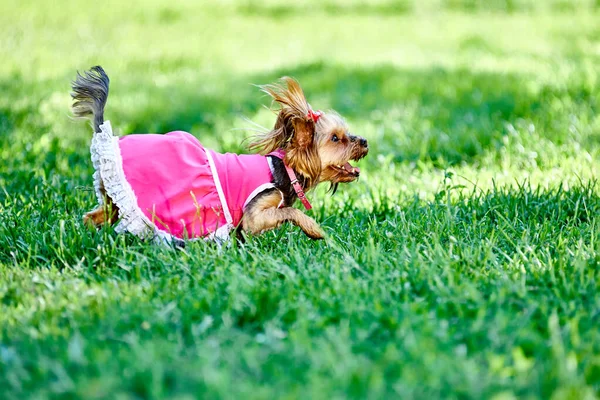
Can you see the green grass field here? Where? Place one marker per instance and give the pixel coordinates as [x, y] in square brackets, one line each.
[465, 263]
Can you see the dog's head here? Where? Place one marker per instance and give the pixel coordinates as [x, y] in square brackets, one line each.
[317, 144]
[337, 147]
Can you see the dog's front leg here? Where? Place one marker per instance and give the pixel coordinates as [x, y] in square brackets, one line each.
[271, 218]
[262, 215]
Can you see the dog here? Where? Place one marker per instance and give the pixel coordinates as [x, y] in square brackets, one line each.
[170, 187]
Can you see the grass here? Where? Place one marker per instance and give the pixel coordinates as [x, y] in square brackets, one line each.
[465, 263]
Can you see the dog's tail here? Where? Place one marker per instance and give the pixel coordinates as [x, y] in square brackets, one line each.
[90, 92]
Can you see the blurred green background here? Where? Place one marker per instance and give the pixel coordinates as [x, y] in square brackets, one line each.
[507, 84]
[463, 264]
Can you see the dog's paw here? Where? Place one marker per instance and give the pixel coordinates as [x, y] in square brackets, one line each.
[314, 231]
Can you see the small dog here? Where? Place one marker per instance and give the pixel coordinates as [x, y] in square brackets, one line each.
[170, 187]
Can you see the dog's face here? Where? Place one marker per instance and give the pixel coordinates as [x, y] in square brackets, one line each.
[336, 147]
[318, 145]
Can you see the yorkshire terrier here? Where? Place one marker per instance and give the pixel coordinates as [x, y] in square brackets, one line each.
[170, 187]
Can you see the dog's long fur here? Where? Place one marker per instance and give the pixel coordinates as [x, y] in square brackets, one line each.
[90, 92]
[316, 151]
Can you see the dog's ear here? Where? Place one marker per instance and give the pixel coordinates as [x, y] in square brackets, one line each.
[304, 132]
[294, 131]
[301, 152]
[294, 110]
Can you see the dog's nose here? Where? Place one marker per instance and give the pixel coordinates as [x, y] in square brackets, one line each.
[363, 142]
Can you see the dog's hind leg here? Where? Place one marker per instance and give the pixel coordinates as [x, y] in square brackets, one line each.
[105, 213]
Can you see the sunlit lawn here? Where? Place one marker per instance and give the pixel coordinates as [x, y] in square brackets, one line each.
[463, 264]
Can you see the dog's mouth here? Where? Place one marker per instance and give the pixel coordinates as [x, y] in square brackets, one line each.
[343, 173]
[346, 169]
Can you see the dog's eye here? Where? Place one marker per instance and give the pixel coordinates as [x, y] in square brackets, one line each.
[334, 138]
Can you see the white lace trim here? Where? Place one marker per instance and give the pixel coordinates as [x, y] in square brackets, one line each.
[258, 190]
[110, 177]
[213, 170]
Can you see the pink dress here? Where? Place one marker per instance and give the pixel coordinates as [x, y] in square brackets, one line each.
[171, 186]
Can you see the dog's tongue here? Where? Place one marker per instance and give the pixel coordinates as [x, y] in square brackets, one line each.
[351, 169]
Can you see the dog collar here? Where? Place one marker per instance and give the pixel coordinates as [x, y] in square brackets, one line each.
[297, 187]
[293, 179]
